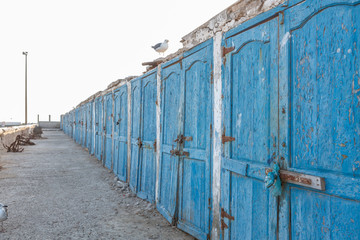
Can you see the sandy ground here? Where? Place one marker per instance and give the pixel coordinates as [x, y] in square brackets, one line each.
[56, 190]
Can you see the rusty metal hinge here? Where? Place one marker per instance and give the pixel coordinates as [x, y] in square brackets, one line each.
[224, 214]
[175, 152]
[179, 153]
[139, 143]
[186, 154]
[225, 139]
[181, 138]
[223, 225]
[226, 50]
[154, 145]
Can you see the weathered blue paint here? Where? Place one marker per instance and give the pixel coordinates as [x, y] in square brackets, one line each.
[135, 132]
[98, 127]
[120, 133]
[186, 110]
[293, 99]
[147, 170]
[323, 134]
[108, 120]
[250, 113]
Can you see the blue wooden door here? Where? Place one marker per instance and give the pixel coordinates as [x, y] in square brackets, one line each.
[98, 128]
[73, 124]
[195, 170]
[185, 169]
[84, 125]
[170, 121]
[88, 126]
[250, 120]
[78, 125]
[322, 138]
[108, 130]
[147, 170]
[120, 133]
[136, 142]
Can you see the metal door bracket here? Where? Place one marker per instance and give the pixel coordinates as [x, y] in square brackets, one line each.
[175, 152]
[139, 143]
[186, 154]
[226, 50]
[225, 139]
[181, 138]
[223, 225]
[224, 214]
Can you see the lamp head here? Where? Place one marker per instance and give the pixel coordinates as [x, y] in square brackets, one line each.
[25, 53]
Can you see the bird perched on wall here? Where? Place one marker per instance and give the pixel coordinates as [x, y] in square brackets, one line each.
[161, 47]
[3, 215]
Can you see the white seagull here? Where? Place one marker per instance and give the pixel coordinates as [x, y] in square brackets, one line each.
[3, 215]
[161, 47]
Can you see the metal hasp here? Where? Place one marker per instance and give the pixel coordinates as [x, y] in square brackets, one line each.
[305, 180]
[224, 214]
[273, 180]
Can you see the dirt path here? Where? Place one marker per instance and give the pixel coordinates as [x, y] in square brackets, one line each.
[56, 190]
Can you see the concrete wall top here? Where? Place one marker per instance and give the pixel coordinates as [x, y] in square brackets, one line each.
[9, 130]
[8, 134]
[229, 18]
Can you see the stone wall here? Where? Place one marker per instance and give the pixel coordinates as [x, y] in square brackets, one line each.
[8, 134]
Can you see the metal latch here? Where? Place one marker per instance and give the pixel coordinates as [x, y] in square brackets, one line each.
[305, 180]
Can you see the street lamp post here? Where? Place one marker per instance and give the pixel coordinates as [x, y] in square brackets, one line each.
[25, 53]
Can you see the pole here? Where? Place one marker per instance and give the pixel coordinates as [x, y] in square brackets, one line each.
[25, 53]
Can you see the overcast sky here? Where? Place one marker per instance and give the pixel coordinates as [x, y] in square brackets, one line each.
[78, 47]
